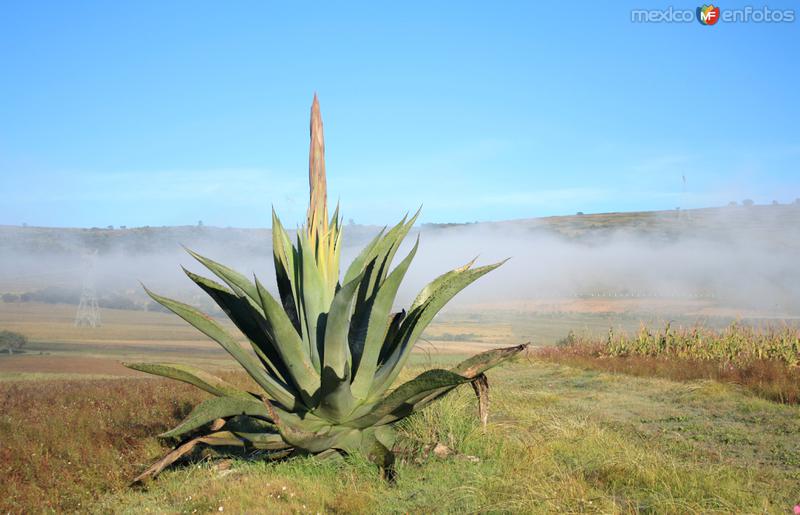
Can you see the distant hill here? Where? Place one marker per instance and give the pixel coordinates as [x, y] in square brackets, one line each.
[764, 223]
[771, 222]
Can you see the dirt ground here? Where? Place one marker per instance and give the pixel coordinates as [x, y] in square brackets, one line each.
[64, 365]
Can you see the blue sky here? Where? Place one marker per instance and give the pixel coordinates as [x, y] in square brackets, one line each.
[165, 113]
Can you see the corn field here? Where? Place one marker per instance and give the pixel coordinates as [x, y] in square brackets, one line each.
[737, 345]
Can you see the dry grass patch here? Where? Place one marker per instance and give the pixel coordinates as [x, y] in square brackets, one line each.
[65, 442]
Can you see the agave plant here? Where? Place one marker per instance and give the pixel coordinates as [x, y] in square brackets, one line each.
[327, 352]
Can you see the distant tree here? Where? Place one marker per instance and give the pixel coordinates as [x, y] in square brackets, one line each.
[117, 301]
[351, 221]
[123, 227]
[748, 202]
[797, 201]
[579, 213]
[10, 297]
[776, 203]
[24, 224]
[12, 341]
[54, 295]
[199, 223]
[110, 227]
[733, 203]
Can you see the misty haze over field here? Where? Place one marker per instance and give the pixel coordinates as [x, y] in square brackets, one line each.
[738, 257]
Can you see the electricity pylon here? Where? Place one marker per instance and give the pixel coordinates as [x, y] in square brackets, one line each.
[88, 314]
[684, 195]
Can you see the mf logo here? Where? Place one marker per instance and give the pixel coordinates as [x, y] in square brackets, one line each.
[708, 14]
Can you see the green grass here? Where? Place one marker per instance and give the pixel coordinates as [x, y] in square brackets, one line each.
[559, 440]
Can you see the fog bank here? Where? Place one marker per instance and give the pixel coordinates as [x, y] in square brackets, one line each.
[738, 257]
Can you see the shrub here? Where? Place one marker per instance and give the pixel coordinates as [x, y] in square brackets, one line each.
[11, 341]
[766, 360]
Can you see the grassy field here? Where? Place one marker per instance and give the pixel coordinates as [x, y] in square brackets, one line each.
[559, 440]
[150, 336]
[75, 427]
[54, 323]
